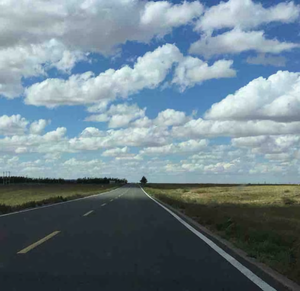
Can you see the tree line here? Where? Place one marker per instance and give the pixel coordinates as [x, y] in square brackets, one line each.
[101, 181]
[27, 180]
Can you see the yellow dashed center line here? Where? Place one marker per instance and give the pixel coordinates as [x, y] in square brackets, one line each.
[88, 213]
[34, 245]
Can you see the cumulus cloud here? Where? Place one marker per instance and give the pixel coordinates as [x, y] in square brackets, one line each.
[278, 157]
[118, 115]
[267, 144]
[265, 168]
[142, 122]
[275, 98]
[177, 148]
[13, 125]
[246, 14]
[116, 152]
[192, 71]
[166, 118]
[211, 128]
[148, 72]
[51, 142]
[76, 23]
[60, 34]
[94, 139]
[37, 127]
[211, 168]
[170, 117]
[82, 163]
[24, 61]
[161, 16]
[237, 41]
[267, 60]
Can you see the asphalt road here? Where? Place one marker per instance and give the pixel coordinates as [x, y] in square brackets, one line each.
[121, 240]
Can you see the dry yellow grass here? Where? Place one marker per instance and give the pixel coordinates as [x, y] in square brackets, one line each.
[16, 197]
[262, 220]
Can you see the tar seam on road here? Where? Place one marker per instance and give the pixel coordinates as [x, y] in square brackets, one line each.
[34, 245]
[245, 271]
[88, 213]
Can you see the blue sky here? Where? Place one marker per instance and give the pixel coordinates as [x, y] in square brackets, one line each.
[178, 91]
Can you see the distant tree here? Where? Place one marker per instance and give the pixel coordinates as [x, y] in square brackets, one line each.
[144, 180]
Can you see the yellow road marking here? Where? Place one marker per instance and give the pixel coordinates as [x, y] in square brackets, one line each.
[88, 213]
[29, 248]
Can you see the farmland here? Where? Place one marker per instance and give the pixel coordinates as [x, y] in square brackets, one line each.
[262, 220]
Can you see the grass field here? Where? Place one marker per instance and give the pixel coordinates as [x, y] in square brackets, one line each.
[262, 220]
[17, 197]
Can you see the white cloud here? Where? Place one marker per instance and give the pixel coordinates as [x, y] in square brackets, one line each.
[92, 132]
[246, 14]
[210, 168]
[98, 107]
[212, 128]
[51, 142]
[82, 163]
[266, 60]
[268, 144]
[170, 117]
[162, 15]
[276, 98]
[32, 60]
[52, 156]
[278, 157]
[237, 41]
[116, 152]
[93, 139]
[38, 126]
[119, 115]
[191, 71]
[76, 23]
[142, 122]
[179, 148]
[13, 125]
[61, 33]
[148, 72]
[267, 168]
[221, 167]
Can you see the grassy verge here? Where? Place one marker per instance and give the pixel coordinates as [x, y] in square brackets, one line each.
[18, 197]
[264, 221]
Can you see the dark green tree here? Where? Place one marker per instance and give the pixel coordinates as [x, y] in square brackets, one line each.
[144, 180]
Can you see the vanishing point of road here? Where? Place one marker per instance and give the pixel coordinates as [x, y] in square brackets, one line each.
[118, 240]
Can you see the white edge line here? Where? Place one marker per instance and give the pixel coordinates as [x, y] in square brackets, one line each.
[245, 271]
[55, 204]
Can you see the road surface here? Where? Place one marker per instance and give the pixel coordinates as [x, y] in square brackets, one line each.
[120, 240]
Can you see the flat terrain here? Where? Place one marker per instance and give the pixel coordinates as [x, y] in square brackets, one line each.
[262, 220]
[20, 196]
[120, 240]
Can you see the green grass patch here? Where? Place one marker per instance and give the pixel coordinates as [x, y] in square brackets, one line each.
[263, 220]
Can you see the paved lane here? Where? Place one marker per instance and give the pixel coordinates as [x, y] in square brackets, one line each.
[121, 240]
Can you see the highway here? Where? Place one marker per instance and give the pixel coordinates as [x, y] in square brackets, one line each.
[119, 240]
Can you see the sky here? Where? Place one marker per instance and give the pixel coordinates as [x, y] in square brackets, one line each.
[178, 91]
